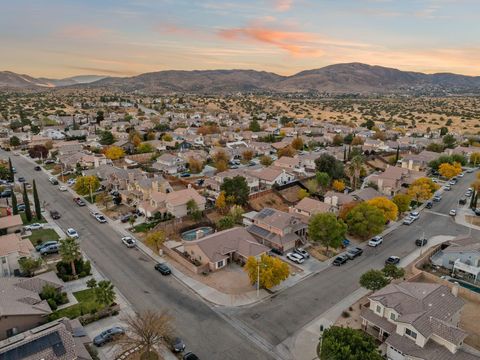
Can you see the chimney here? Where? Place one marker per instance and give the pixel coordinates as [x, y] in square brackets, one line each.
[455, 290]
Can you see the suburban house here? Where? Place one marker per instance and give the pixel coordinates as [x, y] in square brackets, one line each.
[217, 180]
[461, 256]
[278, 229]
[337, 199]
[10, 224]
[169, 164]
[126, 145]
[70, 161]
[308, 207]
[394, 178]
[419, 161]
[366, 194]
[220, 248]
[417, 321]
[12, 248]
[61, 339]
[270, 176]
[288, 163]
[21, 307]
[174, 202]
[142, 188]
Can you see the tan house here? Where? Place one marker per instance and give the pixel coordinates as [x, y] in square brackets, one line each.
[391, 181]
[10, 224]
[219, 249]
[12, 248]
[417, 321]
[308, 207]
[419, 161]
[271, 176]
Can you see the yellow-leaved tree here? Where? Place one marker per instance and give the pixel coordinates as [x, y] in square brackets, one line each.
[86, 184]
[271, 269]
[475, 158]
[422, 189]
[388, 207]
[338, 185]
[450, 170]
[221, 202]
[155, 240]
[114, 152]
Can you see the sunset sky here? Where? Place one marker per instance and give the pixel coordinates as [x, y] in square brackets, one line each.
[60, 38]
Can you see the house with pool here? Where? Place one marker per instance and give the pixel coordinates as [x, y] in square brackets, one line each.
[221, 248]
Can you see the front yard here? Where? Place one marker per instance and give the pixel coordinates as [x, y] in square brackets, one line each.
[87, 304]
[34, 219]
[43, 235]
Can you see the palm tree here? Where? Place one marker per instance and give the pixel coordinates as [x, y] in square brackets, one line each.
[353, 170]
[146, 330]
[70, 251]
[105, 293]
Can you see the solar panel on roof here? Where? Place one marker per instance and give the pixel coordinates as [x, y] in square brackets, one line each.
[52, 340]
[258, 231]
[264, 213]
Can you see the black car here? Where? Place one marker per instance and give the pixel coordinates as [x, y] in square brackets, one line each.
[421, 242]
[276, 251]
[393, 260]
[340, 260]
[429, 204]
[55, 214]
[477, 212]
[190, 356]
[164, 269]
[353, 252]
[177, 345]
[21, 179]
[462, 201]
[37, 168]
[6, 193]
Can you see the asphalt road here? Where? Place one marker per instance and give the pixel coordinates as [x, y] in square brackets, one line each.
[204, 330]
[281, 316]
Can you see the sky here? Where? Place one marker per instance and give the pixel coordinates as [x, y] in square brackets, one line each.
[61, 38]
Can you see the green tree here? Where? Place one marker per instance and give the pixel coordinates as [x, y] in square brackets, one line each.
[144, 148]
[36, 201]
[100, 116]
[10, 168]
[343, 343]
[236, 188]
[328, 164]
[323, 180]
[254, 126]
[193, 211]
[271, 269]
[392, 271]
[225, 222]
[374, 280]
[105, 293]
[449, 141]
[14, 204]
[326, 229]
[402, 201]
[107, 138]
[29, 265]
[4, 173]
[26, 201]
[70, 251]
[365, 220]
[14, 141]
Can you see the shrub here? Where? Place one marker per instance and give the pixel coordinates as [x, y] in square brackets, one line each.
[345, 314]
[52, 304]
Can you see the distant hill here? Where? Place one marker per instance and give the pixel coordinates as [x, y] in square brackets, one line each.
[339, 78]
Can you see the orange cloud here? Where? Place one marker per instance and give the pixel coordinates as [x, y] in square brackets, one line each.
[283, 5]
[83, 32]
[296, 43]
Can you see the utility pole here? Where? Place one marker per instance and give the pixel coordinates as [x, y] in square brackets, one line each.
[91, 195]
[258, 278]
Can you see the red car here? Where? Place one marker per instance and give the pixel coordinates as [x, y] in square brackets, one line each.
[79, 201]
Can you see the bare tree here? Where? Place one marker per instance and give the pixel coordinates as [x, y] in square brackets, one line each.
[146, 330]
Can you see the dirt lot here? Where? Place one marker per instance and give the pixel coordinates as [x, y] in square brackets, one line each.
[291, 193]
[474, 220]
[470, 322]
[271, 200]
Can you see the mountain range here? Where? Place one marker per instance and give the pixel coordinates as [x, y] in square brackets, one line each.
[339, 78]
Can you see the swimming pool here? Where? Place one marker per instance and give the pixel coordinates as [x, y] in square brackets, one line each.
[466, 285]
[191, 235]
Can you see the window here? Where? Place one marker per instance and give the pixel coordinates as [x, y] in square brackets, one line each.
[411, 333]
[220, 264]
[379, 309]
[4, 260]
[392, 316]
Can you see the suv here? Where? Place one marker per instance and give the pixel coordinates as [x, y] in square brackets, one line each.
[377, 240]
[295, 258]
[353, 252]
[55, 214]
[462, 201]
[108, 335]
[421, 242]
[50, 249]
[393, 260]
[46, 243]
[163, 269]
[302, 252]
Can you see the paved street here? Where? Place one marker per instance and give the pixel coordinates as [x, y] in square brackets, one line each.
[281, 316]
[204, 331]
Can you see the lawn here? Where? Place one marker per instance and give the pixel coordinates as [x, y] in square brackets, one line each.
[43, 235]
[34, 219]
[144, 227]
[49, 166]
[86, 304]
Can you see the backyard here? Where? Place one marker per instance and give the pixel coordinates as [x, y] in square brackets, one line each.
[87, 304]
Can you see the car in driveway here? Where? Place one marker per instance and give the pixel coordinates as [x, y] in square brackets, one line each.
[477, 212]
[21, 179]
[276, 251]
[302, 252]
[71, 182]
[421, 242]
[177, 345]
[55, 214]
[393, 260]
[353, 252]
[375, 241]
[124, 218]
[50, 249]
[6, 193]
[452, 182]
[190, 356]
[452, 212]
[79, 201]
[108, 335]
[295, 258]
[128, 241]
[408, 220]
[46, 243]
[340, 260]
[429, 204]
[72, 233]
[163, 269]
[34, 226]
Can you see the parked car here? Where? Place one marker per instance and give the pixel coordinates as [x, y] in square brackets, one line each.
[55, 214]
[72, 233]
[49, 161]
[21, 179]
[295, 258]
[184, 175]
[302, 252]
[393, 260]
[108, 335]
[71, 182]
[50, 249]
[62, 188]
[190, 356]
[276, 251]
[452, 182]
[21, 207]
[53, 180]
[414, 215]
[128, 241]
[79, 201]
[353, 252]
[46, 243]
[477, 212]
[177, 345]
[408, 220]
[429, 204]
[462, 201]
[34, 226]
[448, 187]
[421, 242]
[461, 175]
[37, 168]
[340, 260]
[470, 170]
[125, 218]
[453, 212]
[377, 240]
[6, 193]
[163, 269]
[101, 219]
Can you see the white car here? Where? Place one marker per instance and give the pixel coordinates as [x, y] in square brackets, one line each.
[414, 215]
[128, 241]
[100, 218]
[453, 212]
[34, 226]
[461, 175]
[72, 233]
[295, 258]
[71, 182]
[374, 242]
[62, 188]
[408, 220]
